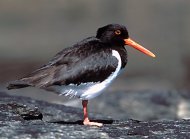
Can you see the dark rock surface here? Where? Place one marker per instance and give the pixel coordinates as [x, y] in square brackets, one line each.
[143, 104]
[22, 118]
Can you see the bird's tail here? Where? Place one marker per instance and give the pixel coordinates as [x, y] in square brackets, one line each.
[17, 84]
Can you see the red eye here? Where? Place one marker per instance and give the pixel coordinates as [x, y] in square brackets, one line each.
[117, 32]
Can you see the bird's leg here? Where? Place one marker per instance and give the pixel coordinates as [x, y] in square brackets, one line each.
[86, 120]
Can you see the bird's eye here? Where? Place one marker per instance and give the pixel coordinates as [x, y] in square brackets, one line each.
[118, 32]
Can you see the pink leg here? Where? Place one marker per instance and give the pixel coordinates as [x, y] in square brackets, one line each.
[86, 120]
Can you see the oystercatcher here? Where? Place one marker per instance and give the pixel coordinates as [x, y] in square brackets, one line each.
[85, 69]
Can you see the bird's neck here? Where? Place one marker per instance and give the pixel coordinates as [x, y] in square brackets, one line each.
[122, 52]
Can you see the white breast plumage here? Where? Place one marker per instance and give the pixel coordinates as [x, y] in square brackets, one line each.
[90, 90]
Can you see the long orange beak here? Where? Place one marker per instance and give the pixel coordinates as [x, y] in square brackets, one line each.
[137, 46]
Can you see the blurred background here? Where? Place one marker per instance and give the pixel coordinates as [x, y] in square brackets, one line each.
[33, 31]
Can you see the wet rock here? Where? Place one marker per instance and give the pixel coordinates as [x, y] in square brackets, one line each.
[58, 121]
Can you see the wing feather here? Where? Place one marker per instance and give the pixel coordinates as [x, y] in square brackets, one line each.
[85, 62]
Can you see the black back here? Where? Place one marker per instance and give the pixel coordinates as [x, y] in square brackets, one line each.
[90, 60]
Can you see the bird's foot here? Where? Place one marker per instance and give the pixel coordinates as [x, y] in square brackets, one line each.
[87, 122]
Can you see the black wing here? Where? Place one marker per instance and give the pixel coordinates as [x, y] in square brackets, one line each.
[84, 62]
[94, 68]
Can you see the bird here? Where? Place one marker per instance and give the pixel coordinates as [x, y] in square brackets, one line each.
[86, 68]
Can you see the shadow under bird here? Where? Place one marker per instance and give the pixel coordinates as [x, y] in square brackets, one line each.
[85, 69]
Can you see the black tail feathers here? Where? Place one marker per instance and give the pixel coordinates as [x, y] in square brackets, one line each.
[17, 85]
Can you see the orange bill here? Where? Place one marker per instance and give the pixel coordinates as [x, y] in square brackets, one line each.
[137, 46]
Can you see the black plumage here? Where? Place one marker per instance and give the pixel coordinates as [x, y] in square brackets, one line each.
[90, 60]
[86, 68]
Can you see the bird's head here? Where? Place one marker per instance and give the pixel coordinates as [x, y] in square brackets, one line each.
[116, 34]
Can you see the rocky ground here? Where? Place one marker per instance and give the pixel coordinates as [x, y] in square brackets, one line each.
[135, 101]
[144, 104]
[22, 118]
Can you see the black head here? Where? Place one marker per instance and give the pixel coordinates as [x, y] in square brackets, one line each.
[117, 35]
[113, 34]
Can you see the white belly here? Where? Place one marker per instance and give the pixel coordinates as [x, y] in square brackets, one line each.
[90, 90]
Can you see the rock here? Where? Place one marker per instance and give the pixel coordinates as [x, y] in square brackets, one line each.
[25, 112]
[143, 104]
[23, 117]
